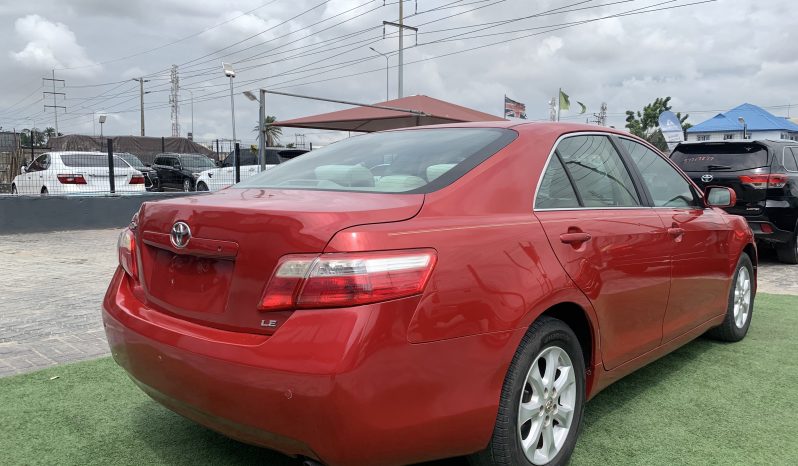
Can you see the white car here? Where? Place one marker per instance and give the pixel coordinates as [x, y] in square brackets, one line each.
[220, 178]
[76, 173]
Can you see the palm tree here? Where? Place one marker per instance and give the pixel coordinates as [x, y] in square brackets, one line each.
[48, 133]
[273, 133]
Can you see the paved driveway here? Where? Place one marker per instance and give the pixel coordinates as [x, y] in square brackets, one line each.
[52, 285]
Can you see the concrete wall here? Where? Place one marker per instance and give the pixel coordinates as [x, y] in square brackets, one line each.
[28, 214]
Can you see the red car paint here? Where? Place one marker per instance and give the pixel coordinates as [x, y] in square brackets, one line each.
[415, 378]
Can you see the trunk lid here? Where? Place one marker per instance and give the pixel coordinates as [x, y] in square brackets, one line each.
[722, 164]
[237, 237]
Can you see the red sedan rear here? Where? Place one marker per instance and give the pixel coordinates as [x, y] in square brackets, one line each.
[405, 296]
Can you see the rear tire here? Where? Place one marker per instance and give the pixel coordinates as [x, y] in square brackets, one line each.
[741, 304]
[788, 253]
[544, 432]
[14, 189]
[201, 186]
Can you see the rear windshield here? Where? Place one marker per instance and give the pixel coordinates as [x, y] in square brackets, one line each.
[416, 161]
[196, 162]
[720, 157]
[91, 160]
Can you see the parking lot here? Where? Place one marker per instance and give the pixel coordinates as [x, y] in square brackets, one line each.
[53, 283]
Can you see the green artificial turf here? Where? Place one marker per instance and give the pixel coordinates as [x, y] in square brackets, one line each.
[708, 403]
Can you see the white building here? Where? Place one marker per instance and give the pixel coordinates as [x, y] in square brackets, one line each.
[754, 121]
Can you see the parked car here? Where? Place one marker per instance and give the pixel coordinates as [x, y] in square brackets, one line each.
[220, 178]
[763, 174]
[179, 172]
[466, 302]
[151, 182]
[76, 173]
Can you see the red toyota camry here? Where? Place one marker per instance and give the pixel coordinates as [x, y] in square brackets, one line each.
[410, 295]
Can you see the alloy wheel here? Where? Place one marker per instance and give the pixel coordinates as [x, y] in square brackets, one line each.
[186, 185]
[546, 410]
[742, 297]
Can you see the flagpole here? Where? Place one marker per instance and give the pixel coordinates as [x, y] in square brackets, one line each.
[559, 103]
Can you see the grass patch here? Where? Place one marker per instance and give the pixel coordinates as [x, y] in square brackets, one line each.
[706, 404]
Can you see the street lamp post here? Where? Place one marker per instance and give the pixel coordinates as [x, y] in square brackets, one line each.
[387, 75]
[745, 127]
[261, 125]
[192, 113]
[102, 122]
[230, 73]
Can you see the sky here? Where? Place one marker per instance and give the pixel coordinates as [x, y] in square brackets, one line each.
[707, 57]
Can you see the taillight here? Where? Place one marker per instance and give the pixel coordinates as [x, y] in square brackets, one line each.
[776, 180]
[71, 179]
[127, 252]
[137, 179]
[346, 279]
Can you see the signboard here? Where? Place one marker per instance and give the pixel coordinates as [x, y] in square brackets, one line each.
[671, 129]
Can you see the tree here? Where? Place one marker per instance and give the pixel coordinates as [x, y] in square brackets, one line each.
[33, 136]
[48, 133]
[290, 145]
[645, 124]
[273, 133]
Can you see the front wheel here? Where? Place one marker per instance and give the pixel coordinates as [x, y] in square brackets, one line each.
[741, 304]
[186, 185]
[540, 410]
[201, 186]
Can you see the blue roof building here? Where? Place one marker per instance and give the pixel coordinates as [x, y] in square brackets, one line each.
[756, 122]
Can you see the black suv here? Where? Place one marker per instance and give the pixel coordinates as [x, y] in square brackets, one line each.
[179, 171]
[764, 174]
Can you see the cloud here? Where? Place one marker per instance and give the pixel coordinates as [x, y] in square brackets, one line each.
[48, 45]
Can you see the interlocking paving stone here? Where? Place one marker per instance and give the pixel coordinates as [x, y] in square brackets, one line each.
[52, 285]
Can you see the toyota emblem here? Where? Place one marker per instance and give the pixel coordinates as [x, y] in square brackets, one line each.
[707, 178]
[180, 235]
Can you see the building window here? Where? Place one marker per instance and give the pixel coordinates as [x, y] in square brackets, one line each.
[726, 137]
[704, 137]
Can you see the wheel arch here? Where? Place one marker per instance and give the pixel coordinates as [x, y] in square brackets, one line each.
[578, 319]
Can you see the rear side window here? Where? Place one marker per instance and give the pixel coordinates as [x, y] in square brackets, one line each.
[599, 175]
[555, 190]
[791, 159]
[418, 161]
[720, 157]
[667, 187]
[91, 160]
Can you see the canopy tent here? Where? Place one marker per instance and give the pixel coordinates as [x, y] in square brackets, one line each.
[425, 111]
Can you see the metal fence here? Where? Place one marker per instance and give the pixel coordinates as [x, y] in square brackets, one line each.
[106, 172]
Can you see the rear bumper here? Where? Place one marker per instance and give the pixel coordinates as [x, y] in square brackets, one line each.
[342, 386]
[767, 231]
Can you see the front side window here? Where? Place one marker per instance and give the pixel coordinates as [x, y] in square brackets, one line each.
[599, 175]
[419, 161]
[667, 187]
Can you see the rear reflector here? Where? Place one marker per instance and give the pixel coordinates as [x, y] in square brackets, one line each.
[137, 179]
[127, 252]
[71, 179]
[347, 279]
[775, 180]
[766, 228]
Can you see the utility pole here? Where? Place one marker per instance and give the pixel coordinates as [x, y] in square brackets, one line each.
[402, 27]
[553, 109]
[141, 99]
[174, 101]
[600, 118]
[55, 105]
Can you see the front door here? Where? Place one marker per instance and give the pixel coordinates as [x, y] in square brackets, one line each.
[612, 246]
[698, 247]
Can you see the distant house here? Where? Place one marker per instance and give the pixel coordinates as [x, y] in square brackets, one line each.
[756, 122]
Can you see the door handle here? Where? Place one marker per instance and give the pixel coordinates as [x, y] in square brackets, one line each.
[675, 232]
[574, 238]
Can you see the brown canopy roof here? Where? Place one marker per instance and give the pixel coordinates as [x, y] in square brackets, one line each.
[368, 119]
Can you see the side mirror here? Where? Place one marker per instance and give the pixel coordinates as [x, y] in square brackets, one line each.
[720, 196]
[148, 165]
[23, 169]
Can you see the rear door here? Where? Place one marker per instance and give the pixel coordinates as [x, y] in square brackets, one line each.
[741, 166]
[698, 246]
[612, 246]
